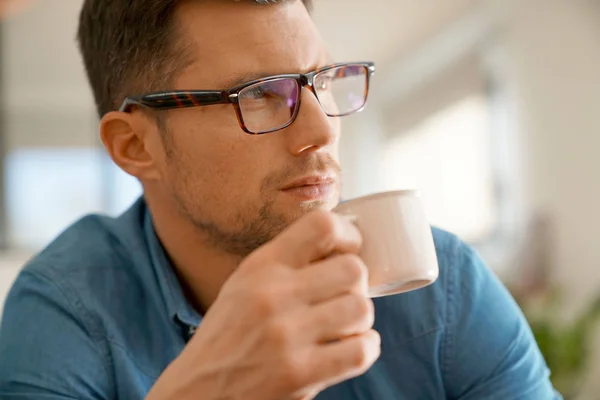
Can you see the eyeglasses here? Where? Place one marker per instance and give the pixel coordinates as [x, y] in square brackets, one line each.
[270, 104]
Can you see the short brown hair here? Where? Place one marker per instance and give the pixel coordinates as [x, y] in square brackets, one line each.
[130, 47]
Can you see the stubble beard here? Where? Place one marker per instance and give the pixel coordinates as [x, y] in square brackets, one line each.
[255, 231]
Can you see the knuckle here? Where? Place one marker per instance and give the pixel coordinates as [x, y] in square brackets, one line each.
[324, 223]
[360, 359]
[363, 306]
[279, 334]
[354, 269]
[293, 371]
[266, 304]
[362, 310]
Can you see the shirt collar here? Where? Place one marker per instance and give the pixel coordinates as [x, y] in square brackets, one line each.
[177, 305]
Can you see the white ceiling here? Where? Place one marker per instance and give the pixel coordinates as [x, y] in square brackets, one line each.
[382, 30]
[42, 65]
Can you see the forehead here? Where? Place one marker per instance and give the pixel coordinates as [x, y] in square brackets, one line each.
[231, 40]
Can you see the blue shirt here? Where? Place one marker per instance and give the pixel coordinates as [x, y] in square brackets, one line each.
[99, 314]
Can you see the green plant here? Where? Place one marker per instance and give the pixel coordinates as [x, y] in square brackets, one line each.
[566, 347]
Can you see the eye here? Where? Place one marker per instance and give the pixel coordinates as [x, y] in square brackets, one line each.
[255, 93]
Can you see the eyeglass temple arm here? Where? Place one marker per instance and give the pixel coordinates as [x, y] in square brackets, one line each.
[178, 99]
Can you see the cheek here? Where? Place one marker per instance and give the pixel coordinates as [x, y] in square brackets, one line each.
[221, 163]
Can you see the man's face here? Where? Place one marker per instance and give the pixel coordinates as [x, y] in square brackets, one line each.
[229, 184]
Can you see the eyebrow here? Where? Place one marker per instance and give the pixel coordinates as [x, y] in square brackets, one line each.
[247, 77]
[244, 77]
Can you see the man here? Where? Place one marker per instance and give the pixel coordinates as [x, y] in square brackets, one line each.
[231, 278]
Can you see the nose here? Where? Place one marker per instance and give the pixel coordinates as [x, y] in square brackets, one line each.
[312, 129]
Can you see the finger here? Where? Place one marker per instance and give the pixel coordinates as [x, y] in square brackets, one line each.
[347, 315]
[306, 394]
[314, 237]
[336, 362]
[332, 277]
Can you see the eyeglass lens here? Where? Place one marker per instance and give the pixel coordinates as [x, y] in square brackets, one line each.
[273, 104]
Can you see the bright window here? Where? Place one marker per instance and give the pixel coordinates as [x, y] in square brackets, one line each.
[447, 157]
[47, 189]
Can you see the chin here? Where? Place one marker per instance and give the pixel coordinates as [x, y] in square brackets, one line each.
[296, 211]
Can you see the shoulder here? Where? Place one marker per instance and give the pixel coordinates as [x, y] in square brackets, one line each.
[63, 289]
[430, 309]
[95, 291]
[93, 268]
[94, 256]
[462, 270]
[447, 245]
[94, 242]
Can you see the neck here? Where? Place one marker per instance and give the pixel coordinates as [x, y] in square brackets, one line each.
[201, 269]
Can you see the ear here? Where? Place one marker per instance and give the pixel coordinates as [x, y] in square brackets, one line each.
[133, 143]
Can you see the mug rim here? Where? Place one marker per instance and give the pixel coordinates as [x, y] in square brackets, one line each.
[392, 193]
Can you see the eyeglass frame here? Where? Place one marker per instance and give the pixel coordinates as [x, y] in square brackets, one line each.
[199, 98]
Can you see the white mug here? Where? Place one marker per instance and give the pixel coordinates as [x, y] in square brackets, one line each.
[398, 247]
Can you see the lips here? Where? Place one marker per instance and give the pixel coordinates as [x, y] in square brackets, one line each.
[310, 188]
[313, 180]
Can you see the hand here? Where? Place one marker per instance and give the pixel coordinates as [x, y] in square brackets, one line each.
[292, 320]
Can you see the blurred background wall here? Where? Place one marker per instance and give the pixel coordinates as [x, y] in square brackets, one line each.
[490, 107]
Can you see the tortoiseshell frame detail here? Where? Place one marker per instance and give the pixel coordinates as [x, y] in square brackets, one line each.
[197, 98]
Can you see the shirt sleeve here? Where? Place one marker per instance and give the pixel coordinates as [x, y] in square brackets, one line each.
[490, 351]
[46, 351]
